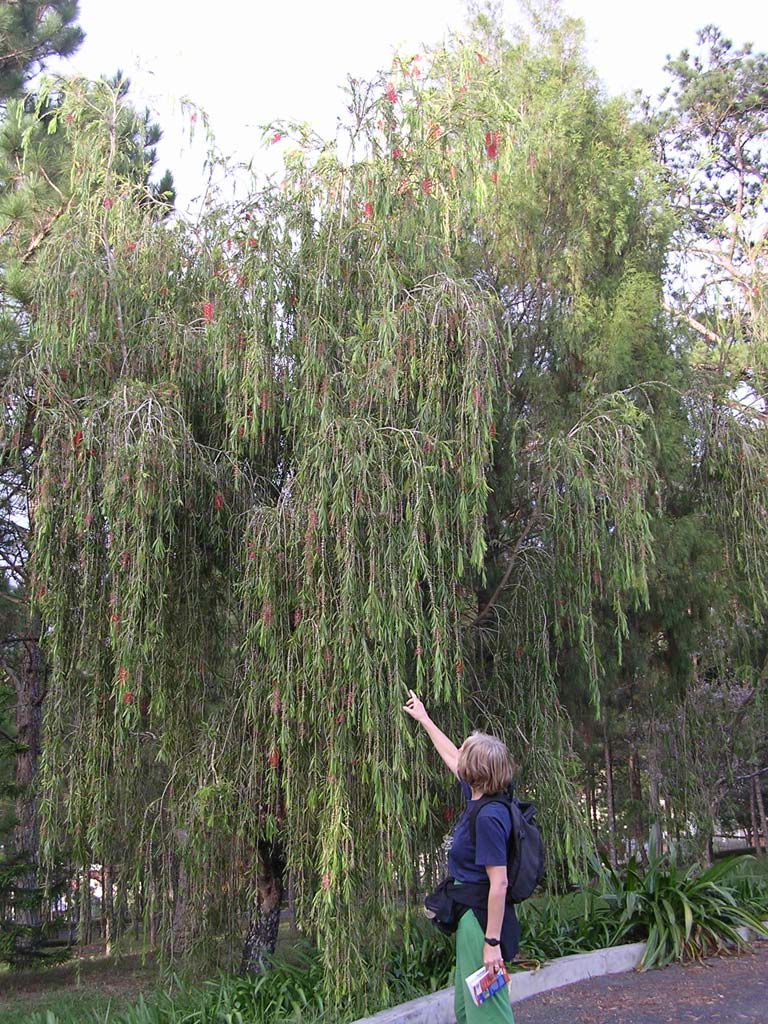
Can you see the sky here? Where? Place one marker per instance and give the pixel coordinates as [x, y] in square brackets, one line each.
[247, 62]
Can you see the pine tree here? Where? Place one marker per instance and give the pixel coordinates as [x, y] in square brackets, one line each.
[32, 31]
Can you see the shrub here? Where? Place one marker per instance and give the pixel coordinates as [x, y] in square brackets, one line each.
[679, 913]
[554, 926]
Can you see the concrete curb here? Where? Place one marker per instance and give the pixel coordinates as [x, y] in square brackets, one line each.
[567, 970]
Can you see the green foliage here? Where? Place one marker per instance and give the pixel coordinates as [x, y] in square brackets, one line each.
[678, 912]
[420, 960]
[268, 444]
[397, 422]
[25, 945]
[555, 926]
[31, 31]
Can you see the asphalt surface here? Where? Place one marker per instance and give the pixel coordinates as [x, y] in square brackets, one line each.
[723, 990]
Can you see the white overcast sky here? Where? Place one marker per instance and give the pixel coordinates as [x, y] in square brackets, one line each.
[247, 63]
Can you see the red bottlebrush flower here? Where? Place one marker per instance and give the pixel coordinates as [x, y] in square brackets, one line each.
[218, 502]
[251, 555]
[494, 177]
[426, 186]
[452, 172]
[77, 440]
[326, 883]
[417, 653]
[447, 814]
[125, 559]
[481, 58]
[327, 656]
[274, 758]
[122, 673]
[241, 432]
[130, 247]
[391, 93]
[114, 618]
[251, 243]
[276, 137]
[518, 652]
[459, 667]
[266, 615]
[63, 376]
[477, 396]
[107, 203]
[276, 702]
[492, 431]
[368, 211]
[435, 131]
[263, 400]
[416, 72]
[491, 145]
[396, 153]
[68, 119]
[128, 698]
[193, 117]
[208, 312]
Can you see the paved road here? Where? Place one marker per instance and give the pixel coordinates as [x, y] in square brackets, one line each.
[725, 990]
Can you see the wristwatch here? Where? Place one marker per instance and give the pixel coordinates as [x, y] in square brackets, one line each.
[492, 942]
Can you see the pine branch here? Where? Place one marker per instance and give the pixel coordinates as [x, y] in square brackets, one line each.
[40, 237]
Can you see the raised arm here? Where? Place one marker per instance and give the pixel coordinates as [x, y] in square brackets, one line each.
[446, 748]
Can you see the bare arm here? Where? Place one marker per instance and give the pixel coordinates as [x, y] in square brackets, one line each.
[497, 895]
[446, 748]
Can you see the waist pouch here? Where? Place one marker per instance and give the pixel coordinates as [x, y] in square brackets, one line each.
[442, 909]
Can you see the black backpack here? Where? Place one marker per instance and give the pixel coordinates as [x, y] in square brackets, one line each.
[525, 850]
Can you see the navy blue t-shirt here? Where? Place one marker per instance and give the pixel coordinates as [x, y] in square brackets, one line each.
[492, 828]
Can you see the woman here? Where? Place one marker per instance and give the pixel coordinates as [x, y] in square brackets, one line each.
[490, 933]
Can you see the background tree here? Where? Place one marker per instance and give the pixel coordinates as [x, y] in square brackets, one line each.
[32, 31]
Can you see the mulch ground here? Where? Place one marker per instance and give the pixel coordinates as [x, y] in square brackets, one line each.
[724, 990]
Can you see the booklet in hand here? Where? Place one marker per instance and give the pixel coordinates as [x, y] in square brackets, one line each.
[482, 984]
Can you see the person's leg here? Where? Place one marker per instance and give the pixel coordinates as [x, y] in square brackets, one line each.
[469, 956]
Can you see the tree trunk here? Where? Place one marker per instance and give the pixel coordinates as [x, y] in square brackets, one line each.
[107, 908]
[610, 799]
[590, 795]
[29, 685]
[654, 799]
[753, 818]
[261, 938]
[636, 795]
[757, 783]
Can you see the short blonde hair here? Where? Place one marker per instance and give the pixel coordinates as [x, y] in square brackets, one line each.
[485, 764]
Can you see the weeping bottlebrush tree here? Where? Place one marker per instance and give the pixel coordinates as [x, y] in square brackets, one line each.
[373, 428]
